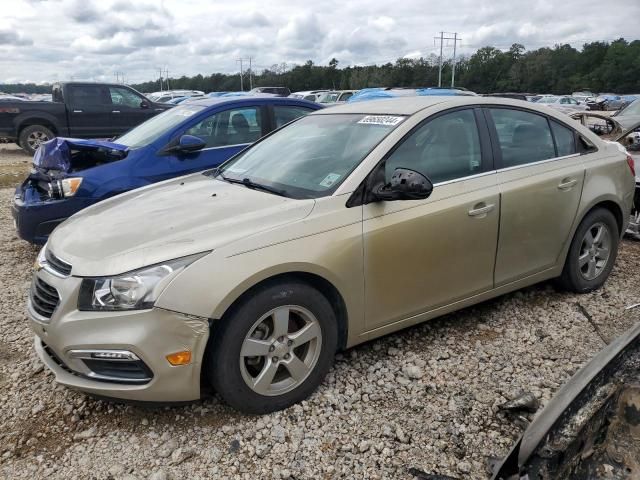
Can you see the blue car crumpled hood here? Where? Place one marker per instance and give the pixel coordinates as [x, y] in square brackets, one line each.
[55, 155]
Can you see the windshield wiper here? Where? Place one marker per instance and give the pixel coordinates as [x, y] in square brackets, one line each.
[247, 182]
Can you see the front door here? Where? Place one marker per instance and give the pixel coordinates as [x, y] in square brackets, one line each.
[225, 132]
[423, 254]
[128, 109]
[540, 176]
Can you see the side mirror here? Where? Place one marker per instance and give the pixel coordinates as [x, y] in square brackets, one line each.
[144, 104]
[405, 184]
[190, 143]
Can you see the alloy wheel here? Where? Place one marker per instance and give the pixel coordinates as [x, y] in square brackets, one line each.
[36, 138]
[594, 251]
[280, 350]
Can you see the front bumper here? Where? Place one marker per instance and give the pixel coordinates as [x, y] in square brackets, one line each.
[35, 217]
[149, 334]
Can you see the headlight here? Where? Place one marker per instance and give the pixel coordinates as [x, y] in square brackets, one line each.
[135, 290]
[67, 187]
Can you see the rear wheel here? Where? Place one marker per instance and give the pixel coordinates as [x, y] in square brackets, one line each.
[273, 349]
[32, 136]
[592, 252]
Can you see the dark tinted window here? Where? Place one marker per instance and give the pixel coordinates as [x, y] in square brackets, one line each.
[231, 127]
[565, 140]
[445, 148]
[524, 137]
[285, 114]
[89, 95]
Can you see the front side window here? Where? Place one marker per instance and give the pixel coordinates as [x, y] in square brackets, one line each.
[230, 127]
[524, 137]
[445, 148]
[124, 97]
[155, 127]
[311, 157]
[346, 96]
[284, 114]
[565, 140]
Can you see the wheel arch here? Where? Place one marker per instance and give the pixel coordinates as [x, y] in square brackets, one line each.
[324, 286]
[42, 121]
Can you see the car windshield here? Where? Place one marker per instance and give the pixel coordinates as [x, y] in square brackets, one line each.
[155, 127]
[310, 157]
[632, 109]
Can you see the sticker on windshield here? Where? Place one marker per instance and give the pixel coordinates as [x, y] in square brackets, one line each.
[330, 180]
[387, 120]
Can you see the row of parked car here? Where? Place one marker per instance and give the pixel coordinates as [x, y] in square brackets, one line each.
[239, 242]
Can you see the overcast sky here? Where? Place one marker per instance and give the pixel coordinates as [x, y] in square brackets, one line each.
[49, 40]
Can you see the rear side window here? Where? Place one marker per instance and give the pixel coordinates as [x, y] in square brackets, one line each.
[285, 114]
[523, 137]
[445, 148]
[89, 95]
[565, 139]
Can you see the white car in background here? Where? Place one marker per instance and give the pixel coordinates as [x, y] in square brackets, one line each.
[165, 96]
[565, 103]
[311, 95]
[335, 97]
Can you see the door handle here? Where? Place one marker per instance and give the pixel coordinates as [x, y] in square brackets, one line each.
[115, 111]
[567, 183]
[77, 111]
[481, 209]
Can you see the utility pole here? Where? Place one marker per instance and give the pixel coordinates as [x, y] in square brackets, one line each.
[250, 73]
[440, 60]
[160, 70]
[453, 65]
[442, 38]
[167, 76]
[241, 74]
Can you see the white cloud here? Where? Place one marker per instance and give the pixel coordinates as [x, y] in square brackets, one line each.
[52, 40]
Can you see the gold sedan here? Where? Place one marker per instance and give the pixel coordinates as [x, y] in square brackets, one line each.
[345, 225]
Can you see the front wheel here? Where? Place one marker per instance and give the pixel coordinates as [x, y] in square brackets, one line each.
[32, 136]
[592, 252]
[274, 348]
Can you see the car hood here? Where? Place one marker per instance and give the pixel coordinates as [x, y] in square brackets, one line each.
[55, 157]
[169, 220]
[627, 121]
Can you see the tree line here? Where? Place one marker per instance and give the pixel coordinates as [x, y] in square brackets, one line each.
[598, 66]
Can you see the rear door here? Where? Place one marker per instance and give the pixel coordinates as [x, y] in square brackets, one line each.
[128, 109]
[89, 110]
[540, 175]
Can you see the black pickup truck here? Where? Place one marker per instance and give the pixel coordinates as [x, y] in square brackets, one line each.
[79, 110]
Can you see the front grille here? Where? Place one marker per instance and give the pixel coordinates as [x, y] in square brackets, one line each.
[44, 298]
[57, 264]
[55, 358]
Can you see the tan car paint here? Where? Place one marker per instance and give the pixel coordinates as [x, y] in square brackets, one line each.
[382, 290]
[538, 205]
[419, 255]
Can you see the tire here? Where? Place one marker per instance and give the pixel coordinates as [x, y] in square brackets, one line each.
[32, 136]
[587, 266]
[256, 326]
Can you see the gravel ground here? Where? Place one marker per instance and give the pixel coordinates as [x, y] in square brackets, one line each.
[426, 397]
[14, 164]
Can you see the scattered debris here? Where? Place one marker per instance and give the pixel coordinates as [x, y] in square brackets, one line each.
[526, 402]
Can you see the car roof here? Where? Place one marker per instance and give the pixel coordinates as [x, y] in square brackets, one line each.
[412, 105]
[256, 99]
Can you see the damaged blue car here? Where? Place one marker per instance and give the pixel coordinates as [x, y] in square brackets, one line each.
[71, 174]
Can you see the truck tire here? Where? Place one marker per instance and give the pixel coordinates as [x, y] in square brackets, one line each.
[32, 136]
